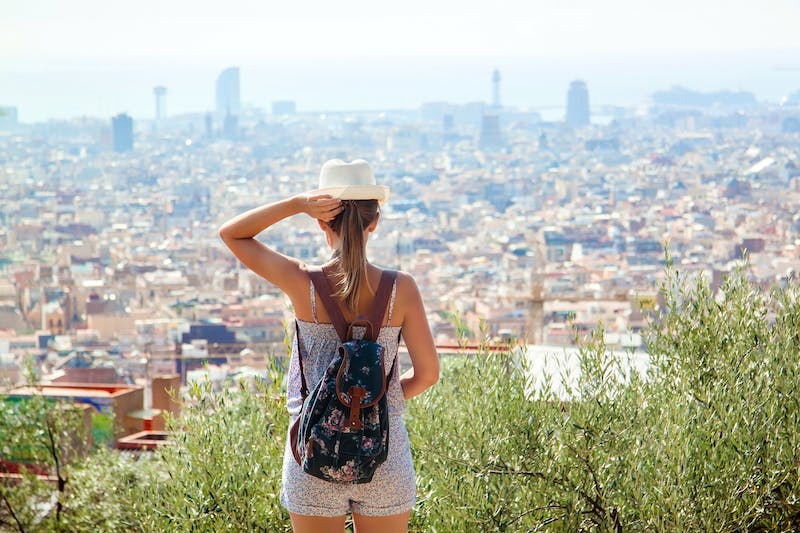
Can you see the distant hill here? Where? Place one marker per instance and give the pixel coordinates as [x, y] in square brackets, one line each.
[681, 96]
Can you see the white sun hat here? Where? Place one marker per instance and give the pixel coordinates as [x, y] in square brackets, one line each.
[350, 181]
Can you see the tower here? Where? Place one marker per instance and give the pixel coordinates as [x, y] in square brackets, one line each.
[496, 89]
[230, 127]
[491, 136]
[535, 326]
[578, 104]
[534, 329]
[160, 92]
[122, 130]
[228, 92]
[448, 128]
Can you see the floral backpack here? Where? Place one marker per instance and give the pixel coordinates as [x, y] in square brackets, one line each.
[342, 433]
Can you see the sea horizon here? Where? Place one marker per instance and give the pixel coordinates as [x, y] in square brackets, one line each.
[102, 89]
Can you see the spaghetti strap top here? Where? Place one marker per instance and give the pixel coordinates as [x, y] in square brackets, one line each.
[318, 341]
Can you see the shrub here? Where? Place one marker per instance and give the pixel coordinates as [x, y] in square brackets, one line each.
[41, 439]
[224, 471]
[707, 440]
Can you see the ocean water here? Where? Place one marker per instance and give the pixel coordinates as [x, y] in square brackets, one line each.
[104, 89]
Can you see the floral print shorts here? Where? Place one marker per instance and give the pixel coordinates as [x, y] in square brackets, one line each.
[391, 491]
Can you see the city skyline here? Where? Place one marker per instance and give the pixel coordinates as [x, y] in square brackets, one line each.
[101, 93]
[317, 56]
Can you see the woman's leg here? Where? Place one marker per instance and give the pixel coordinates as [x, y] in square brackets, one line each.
[396, 523]
[317, 524]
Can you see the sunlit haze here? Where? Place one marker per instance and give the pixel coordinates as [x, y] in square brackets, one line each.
[63, 59]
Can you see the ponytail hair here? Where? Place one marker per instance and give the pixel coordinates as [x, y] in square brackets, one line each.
[351, 257]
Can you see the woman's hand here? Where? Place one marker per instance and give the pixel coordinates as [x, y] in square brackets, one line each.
[321, 206]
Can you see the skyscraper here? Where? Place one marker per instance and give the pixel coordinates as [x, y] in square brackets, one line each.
[228, 92]
[160, 92]
[122, 126]
[230, 127]
[491, 136]
[578, 104]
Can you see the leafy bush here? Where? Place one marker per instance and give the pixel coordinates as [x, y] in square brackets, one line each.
[38, 436]
[708, 440]
[221, 474]
[224, 471]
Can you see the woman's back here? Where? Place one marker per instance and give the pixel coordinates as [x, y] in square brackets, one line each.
[318, 342]
[347, 208]
[303, 303]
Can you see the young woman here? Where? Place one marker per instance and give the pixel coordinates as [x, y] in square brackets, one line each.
[347, 208]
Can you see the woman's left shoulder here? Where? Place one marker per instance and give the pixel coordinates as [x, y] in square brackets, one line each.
[406, 285]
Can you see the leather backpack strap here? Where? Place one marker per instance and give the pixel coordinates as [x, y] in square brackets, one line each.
[325, 291]
[381, 301]
[294, 436]
[303, 386]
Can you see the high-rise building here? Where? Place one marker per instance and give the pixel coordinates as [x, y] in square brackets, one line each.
[491, 137]
[578, 104]
[228, 102]
[230, 127]
[449, 133]
[496, 89]
[160, 92]
[122, 128]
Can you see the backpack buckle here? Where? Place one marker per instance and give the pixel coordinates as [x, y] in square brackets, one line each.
[356, 395]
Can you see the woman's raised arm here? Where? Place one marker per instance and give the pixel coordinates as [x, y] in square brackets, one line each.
[239, 234]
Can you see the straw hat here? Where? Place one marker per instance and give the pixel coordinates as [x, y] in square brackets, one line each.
[350, 181]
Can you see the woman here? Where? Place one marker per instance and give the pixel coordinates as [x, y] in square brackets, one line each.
[346, 206]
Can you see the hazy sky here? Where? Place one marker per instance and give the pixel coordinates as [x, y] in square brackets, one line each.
[152, 42]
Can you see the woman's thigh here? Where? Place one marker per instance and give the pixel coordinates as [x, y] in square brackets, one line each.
[397, 523]
[317, 524]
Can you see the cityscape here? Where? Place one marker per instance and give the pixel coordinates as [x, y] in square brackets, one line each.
[599, 204]
[518, 228]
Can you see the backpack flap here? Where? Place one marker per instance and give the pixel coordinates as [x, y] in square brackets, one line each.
[361, 380]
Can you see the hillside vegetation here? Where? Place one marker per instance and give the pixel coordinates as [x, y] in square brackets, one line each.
[709, 440]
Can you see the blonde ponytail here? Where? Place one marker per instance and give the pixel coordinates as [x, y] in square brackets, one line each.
[350, 225]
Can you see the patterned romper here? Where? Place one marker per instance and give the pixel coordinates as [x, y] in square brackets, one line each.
[393, 487]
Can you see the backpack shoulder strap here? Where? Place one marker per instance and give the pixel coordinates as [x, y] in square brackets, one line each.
[325, 291]
[381, 301]
[303, 386]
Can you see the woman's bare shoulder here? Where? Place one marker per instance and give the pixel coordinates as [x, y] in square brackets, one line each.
[406, 281]
[407, 296]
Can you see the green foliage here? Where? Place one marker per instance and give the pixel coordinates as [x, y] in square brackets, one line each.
[223, 472]
[730, 367]
[44, 437]
[106, 492]
[708, 440]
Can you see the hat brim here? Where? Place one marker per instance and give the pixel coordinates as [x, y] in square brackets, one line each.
[357, 192]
